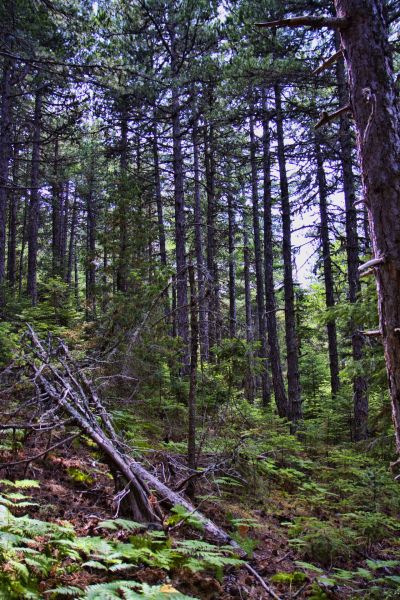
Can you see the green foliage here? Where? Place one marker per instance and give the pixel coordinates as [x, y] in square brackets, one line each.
[8, 343]
[30, 549]
[181, 514]
[322, 541]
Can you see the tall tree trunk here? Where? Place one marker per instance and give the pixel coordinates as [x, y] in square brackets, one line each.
[12, 225]
[270, 303]
[232, 267]
[376, 114]
[91, 247]
[194, 340]
[34, 204]
[262, 333]
[182, 321]
[5, 155]
[327, 262]
[295, 409]
[352, 250]
[198, 242]
[157, 186]
[56, 212]
[211, 210]
[249, 377]
[122, 275]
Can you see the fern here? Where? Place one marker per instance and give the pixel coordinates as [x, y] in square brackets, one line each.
[117, 524]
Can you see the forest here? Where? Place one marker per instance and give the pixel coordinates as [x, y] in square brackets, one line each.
[200, 299]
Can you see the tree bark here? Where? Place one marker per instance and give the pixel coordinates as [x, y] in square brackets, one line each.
[377, 119]
[5, 155]
[249, 377]
[194, 339]
[56, 213]
[294, 395]
[198, 242]
[12, 225]
[71, 245]
[262, 334]
[34, 204]
[281, 399]
[122, 268]
[182, 321]
[232, 267]
[328, 275]
[360, 387]
[91, 246]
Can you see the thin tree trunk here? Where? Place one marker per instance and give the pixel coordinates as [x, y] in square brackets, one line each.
[232, 267]
[262, 334]
[376, 114]
[198, 242]
[360, 387]
[12, 226]
[56, 213]
[194, 339]
[122, 275]
[328, 275]
[270, 303]
[71, 245]
[34, 204]
[294, 395]
[249, 377]
[213, 302]
[5, 155]
[182, 321]
[91, 248]
[64, 230]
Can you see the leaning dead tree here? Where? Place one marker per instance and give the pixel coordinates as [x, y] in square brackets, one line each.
[64, 395]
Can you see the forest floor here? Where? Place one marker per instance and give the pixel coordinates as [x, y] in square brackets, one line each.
[76, 487]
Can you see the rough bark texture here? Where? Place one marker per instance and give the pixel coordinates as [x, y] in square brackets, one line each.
[295, 410]
[194, 341]
[262, 333]
[376, 115]
[281, 399]
[328, 275]
[33, 219]
[352, 251]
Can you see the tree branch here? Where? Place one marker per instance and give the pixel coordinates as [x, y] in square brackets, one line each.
[309, 21]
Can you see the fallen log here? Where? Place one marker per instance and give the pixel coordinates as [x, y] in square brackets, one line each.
[67, 389]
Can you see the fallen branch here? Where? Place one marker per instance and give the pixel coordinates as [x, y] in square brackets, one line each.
[261, 581]
[69, 391]
[37, 456]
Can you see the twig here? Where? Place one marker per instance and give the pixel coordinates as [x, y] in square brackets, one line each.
[33, 458]
[328, 118]
[261, 581]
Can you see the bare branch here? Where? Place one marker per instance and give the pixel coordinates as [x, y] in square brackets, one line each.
[308, 21]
